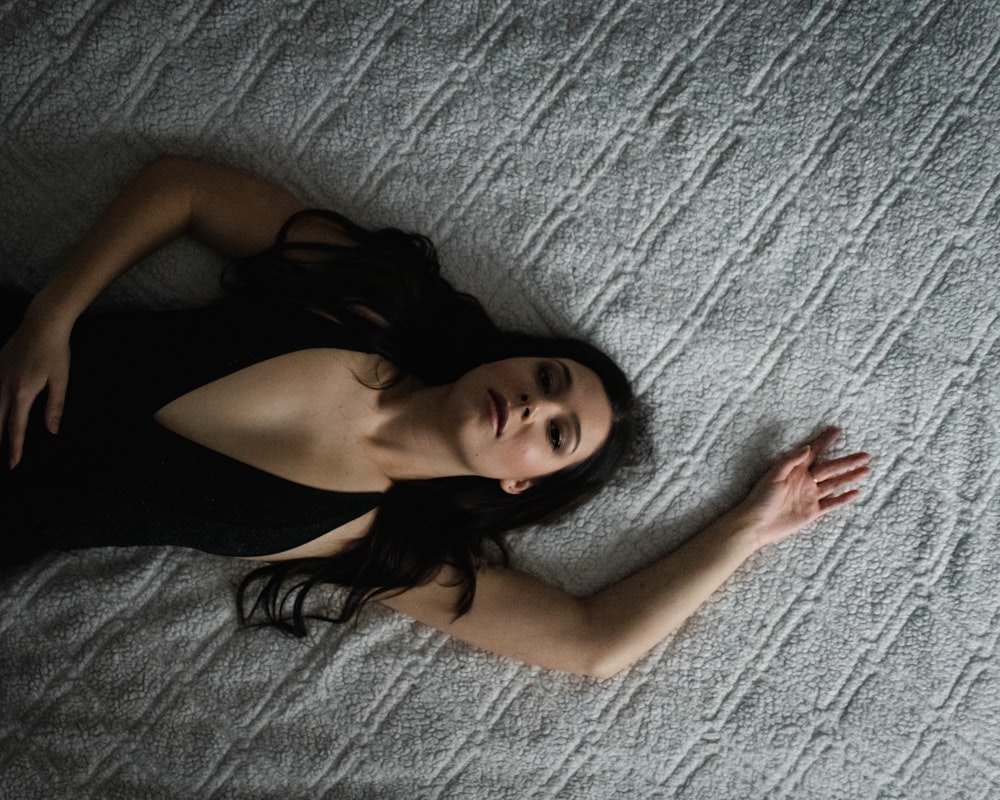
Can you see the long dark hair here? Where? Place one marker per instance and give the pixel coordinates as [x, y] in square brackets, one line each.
[387, 291]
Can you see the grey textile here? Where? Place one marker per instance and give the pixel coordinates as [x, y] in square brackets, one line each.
[775, 215]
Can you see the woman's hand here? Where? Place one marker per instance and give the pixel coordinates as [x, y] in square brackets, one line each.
[801, 487]
[35, 358]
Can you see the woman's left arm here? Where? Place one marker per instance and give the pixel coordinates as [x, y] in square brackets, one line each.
[524, 618]
[235, 213]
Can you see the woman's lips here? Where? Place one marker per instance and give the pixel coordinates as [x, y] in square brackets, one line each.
[499, 411]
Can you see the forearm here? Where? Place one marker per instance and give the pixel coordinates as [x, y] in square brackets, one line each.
[519, 616]
[231, 211]
[151, 210]
[629, 618]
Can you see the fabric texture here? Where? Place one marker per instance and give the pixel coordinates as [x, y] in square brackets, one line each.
[776, 216]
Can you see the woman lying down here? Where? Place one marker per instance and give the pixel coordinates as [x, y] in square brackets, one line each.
[347, 417]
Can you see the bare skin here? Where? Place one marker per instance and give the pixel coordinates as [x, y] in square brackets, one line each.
[500, 423]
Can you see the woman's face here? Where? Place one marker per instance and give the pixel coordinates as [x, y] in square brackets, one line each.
[522, 418]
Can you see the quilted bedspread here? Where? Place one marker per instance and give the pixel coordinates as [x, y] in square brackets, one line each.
[775, 215]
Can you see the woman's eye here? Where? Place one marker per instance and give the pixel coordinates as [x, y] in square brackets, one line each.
[544, 379]
[555, 436]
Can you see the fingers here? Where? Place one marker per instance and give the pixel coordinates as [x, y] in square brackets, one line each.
[17, 424]
[33, 360]
[829, 503]
[833, 485]
[54, 403]
[825, 439]
[838, 466]
[834, 476]
[4, 406]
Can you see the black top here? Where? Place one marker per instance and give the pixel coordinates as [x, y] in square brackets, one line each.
[114, 476]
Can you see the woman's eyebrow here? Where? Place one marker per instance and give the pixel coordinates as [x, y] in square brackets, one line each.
[567, 375]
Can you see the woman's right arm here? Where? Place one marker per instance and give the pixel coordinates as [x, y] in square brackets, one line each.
[233, 212]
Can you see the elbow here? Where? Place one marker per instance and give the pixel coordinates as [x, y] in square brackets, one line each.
[602, 655]
[173, 181]
[171, 177]
[602, 666]
[178, 175]
[167, 169]
[574, 642]
[610, 639]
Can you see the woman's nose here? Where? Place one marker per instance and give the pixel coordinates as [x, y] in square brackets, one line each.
[531, 405]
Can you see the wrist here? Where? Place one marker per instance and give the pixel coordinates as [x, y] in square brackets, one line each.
[50, 314]
[742, 530]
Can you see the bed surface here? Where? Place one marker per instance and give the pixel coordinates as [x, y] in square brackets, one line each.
[774, 215]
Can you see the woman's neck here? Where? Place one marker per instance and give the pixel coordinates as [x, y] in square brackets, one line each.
[413, 437]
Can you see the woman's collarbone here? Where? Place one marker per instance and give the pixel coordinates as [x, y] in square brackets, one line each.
[299, 416]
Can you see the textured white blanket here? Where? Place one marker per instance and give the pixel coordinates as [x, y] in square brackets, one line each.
[776, 215]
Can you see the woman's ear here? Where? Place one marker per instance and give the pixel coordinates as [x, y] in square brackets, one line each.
[512, 486]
